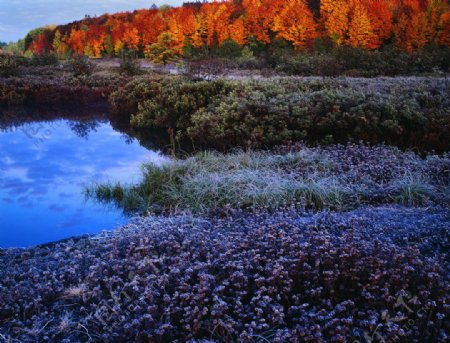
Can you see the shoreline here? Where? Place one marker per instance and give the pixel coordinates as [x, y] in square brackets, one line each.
[304, 217]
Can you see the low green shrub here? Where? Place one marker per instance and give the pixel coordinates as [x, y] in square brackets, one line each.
[309, 65]
[126, 99]
[81, 65]
[163, 102]
[328, 61]
[129, 64]
[172, 102]
[230, 49]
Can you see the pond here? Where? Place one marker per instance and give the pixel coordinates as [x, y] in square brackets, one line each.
[44, 167]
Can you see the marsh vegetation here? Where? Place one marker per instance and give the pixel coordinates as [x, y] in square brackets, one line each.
[292, 208]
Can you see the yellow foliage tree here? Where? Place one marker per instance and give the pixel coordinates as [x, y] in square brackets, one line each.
[334, 14]
[118, 46]
[360, 33]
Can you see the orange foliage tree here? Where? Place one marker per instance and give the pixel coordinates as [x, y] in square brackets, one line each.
[444, 29]
[130, 37]
[216, 18]
[412, 29]
[95, 38]
[439, 21]
[238, 32]
[40, 46]
[181, 24]
[256, 19]
[295, 23]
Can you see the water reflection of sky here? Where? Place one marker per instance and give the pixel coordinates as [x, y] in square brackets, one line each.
[43, 168]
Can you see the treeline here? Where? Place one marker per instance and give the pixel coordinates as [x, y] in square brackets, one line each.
[199, 27]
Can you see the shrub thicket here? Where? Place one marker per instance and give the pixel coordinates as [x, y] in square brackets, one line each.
[329, 61]
[405, 112]
[389, 61]
[47, 59]
[177, 100]
[35, 90]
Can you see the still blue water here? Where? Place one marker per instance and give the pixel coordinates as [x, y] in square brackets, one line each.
[43, 169]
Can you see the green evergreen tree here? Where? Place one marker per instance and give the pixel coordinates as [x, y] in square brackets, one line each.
[109, 45]
[188, 49]
[161, 52]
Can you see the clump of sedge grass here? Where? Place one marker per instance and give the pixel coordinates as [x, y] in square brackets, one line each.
[338, 178]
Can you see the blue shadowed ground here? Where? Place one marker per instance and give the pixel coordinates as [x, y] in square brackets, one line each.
[43, 168]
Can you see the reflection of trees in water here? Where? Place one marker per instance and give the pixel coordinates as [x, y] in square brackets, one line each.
[15, 116]
[150, 139]
[39, 125]
[12, 117]
[83, 122]
[83, 128]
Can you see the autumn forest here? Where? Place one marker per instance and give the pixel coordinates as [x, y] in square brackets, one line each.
[368, 24]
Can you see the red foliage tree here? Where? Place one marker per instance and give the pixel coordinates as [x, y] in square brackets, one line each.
[380, 16]
[77, 40]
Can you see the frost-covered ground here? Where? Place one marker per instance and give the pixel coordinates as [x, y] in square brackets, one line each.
[372, 273]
